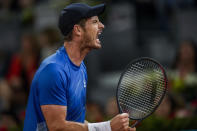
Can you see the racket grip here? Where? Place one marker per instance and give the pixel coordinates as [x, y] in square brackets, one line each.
[137, 122]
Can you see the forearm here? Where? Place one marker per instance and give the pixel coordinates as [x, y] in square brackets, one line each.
[68, 126]
[73, 126]
[55, 118]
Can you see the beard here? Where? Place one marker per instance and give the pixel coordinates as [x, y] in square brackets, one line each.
[90, 42]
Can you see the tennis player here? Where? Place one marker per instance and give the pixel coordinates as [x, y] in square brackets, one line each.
[58, 92]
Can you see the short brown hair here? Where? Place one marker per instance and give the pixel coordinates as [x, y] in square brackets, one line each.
[82, 22]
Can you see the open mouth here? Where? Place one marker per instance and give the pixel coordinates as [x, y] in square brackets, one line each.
[97, 38]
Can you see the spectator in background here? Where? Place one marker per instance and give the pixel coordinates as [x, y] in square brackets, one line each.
[48, 40]
[8, 121]
[165, 108]
[94, 112]
[21, 71]
[5, 95]
[183, 78]
[186, 59]
[111, 107]
[27, 12]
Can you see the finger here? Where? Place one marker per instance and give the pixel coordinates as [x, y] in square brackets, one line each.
[124, 120]
[124, 115]
[126, 128]
[126, 124]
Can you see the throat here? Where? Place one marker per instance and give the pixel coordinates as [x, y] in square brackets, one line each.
[75, 54]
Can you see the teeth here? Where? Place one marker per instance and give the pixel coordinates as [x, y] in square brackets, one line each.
[99, 33]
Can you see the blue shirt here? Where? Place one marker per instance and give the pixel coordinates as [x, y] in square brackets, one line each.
[58, 82]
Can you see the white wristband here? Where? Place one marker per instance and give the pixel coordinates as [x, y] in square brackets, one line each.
[101, 126]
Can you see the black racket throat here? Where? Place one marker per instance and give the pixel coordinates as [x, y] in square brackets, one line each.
[141, 88]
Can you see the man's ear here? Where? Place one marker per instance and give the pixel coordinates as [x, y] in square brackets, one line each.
[77, 30]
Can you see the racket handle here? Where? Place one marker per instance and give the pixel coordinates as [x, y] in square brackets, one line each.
[137, 122]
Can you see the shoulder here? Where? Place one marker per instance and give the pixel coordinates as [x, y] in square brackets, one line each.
[51, 76]
[51, 70]
[55, 62]
[53, 67]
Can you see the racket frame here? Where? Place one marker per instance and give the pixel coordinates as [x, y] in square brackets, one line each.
[122, 74]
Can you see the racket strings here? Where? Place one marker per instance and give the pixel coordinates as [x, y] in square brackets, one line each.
[135, 83]
[138, 82]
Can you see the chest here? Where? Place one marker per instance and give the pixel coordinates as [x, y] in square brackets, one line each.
[76, 91]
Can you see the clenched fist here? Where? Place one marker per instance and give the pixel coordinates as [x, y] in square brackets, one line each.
[121, 123]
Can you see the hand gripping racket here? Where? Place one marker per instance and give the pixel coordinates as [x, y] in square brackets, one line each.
[141, 88]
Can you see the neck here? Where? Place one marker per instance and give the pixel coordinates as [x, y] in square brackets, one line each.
[75, 52]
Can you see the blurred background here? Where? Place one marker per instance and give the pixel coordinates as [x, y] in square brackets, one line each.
[161, 29]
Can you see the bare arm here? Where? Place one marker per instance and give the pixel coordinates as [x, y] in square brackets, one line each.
[55, 118]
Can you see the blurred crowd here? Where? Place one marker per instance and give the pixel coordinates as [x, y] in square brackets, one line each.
[29, 33]
[20, 55]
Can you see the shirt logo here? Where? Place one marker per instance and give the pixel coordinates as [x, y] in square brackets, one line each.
[84, 84]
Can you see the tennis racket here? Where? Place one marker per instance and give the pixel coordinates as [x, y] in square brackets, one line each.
[141, 88]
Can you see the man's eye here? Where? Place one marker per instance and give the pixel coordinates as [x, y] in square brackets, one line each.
[95, 21]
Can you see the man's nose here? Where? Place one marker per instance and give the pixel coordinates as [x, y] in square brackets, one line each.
[101, 25]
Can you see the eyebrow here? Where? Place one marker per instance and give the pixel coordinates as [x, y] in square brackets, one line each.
[97, 20]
